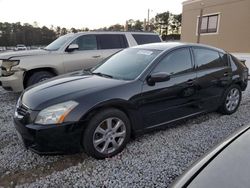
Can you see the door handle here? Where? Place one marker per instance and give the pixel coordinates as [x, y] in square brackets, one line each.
[226, 74]
[96, 56]
[190, 82]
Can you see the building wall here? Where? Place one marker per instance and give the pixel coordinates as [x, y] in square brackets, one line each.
[234, 24]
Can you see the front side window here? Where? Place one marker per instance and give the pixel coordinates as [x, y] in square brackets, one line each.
[207, 59]
[127, 64]
[86, 42]
[209, 24]
[112, 41]
[177, 62]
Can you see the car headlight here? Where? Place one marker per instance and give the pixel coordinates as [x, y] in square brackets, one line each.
[7, 66]
[55, 114]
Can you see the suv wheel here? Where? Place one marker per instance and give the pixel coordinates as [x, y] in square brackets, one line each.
[38, 77]
[106, 134]
[231, 100]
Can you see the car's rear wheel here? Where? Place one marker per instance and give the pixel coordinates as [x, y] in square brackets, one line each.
[39, 76]
[231, 100]
[106, 134]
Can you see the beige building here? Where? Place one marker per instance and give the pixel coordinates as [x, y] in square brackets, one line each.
[225, 24]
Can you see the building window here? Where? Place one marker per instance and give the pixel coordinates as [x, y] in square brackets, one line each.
[209, 23]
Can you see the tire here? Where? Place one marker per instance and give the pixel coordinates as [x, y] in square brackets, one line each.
[98, 136]
[229, 106]
[37, 77]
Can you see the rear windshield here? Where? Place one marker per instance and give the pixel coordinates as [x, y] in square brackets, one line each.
[145, 39]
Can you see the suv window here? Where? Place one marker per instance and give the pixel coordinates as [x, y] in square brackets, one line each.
[112, 41]
[145, 39]
[86, 42]
[207, 59]
[177, 62]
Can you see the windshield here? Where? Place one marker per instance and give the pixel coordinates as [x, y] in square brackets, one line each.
[58, 43]
[127, 64]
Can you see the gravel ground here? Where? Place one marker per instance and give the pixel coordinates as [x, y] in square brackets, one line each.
[152, 160]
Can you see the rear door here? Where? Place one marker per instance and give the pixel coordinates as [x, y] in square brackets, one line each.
[173, 99]
[85, 57]
[213, 76]
[108, 44]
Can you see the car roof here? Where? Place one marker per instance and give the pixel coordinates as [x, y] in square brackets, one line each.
[164, 46]
[112, 32]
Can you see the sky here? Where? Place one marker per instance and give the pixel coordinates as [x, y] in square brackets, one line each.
[93, 14]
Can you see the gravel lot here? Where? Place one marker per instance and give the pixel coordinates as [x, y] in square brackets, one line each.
[152, 160]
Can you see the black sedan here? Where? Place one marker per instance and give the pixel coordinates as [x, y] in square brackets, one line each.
[226, 166]
[135, 90]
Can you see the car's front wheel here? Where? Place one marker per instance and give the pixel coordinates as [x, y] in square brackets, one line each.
[231, 100]
[39, 76]
[106, 134]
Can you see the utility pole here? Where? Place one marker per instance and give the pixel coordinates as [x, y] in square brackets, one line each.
[145, 25]
[148, 22]
[200, 23]
[126, 26]
[148, 15]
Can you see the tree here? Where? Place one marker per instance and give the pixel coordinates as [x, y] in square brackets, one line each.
[116, 27]
[133, 25]
[130, 24]
[64, 31]
[162, 22]
[58, 31]
[175, 23]
[73, 30]
[138, 25]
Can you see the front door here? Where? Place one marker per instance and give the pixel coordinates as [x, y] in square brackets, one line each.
[87, 56]
[173, 99]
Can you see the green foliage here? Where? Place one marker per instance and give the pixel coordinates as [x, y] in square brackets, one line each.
[15, 33]
[167, 22]
[116, 27]
[12, 34]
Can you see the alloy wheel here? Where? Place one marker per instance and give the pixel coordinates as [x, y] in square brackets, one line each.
[233, 99]
[109, 135]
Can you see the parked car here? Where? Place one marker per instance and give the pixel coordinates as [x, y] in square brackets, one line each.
[226, 166]
[68, 53]
[137, 89]
[20, 47]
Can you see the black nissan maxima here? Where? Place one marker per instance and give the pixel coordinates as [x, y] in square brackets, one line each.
[135, 90]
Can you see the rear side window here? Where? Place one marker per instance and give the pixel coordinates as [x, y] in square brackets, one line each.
[224, 58]
[145, 39]
[177, 62]
[110, 41]
[207, 59]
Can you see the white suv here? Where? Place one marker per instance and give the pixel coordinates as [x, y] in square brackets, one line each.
[68, 53]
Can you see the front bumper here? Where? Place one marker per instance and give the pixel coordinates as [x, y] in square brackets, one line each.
[50, 139]
[13, 82]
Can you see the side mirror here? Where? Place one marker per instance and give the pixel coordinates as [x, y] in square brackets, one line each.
[243, 61]
[72, 47]
[158, 77]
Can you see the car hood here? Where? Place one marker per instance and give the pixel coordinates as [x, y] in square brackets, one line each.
[230, 167]
[63, 88]
[17, 54]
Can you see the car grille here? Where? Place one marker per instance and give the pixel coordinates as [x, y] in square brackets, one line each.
[22, 110]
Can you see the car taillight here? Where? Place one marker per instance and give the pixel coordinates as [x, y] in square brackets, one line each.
[245, 74]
